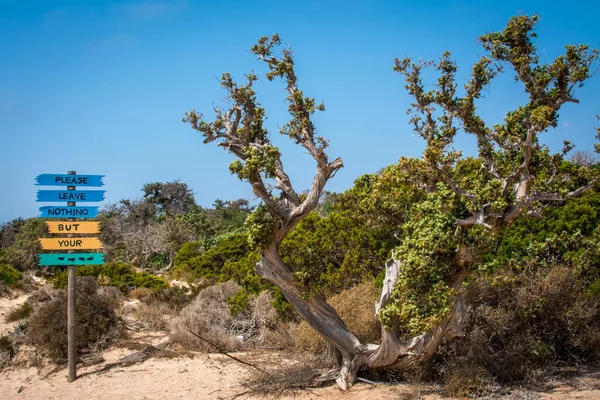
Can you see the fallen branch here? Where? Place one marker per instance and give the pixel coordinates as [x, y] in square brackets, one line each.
[225, 353]
[139, 356]
[366, 381]
[238, 395]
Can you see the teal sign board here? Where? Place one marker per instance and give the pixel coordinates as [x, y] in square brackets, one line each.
[71, 259]
[79, 196]
[68, 212]
[69, 180]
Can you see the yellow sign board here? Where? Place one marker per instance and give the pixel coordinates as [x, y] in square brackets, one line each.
[73, 227]
[81, 243]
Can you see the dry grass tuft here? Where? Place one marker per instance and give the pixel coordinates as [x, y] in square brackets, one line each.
[299, 374]
[356, 307]
[465, 380]
[140, 293]
[18, 313]
[208, 316]
[155, 317]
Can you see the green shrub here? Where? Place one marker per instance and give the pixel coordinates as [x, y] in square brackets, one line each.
[9, 275]
[208, 264]
[120, 275]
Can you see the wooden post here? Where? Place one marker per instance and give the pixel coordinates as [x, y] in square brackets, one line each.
[71, 291]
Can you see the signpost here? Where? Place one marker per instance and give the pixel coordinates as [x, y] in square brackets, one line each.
[69, 212]
[70, 243]
[71, 195]
[83, 243]
[72, 259]
[73, 227]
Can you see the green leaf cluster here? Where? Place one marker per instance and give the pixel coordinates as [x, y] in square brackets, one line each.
[120, 275]
[8, 275]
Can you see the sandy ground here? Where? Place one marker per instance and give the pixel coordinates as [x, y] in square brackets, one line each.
[213, 376]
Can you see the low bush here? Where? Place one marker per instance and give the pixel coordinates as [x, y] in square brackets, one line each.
[9, 275]
[97, 322]
[518, 324]
[120, 275]
[175, 298]
[208, 316]
[6, 349]
[153, 317]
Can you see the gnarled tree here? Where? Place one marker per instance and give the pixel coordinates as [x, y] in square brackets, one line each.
[467, 200]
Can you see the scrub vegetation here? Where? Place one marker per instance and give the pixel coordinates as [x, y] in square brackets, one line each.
[474, 270]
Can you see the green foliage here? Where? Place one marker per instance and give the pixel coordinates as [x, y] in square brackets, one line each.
[514, 173]
[238, 302]
[114, 274]
[228, 216]
[230, 259]
[9, 275]
[208, 264]
[23, 251]
[568, 233]
[428, 253]
[260, 226]
[351, 243]
[9, 231]
[172, 198]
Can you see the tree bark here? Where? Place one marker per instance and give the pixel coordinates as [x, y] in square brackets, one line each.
[317, 313]
[391, 353]
[394, 354]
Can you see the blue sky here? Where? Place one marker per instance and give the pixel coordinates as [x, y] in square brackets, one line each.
[100, 87]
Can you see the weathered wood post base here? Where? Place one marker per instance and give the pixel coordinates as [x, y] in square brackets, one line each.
[72, 344]
[71, 290]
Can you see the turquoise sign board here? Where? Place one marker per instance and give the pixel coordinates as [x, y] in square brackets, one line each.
[69, 180]
[68, 212]
[78, 196]
[71, 259]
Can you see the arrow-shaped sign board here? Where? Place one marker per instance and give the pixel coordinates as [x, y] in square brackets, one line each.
[68, 212]
[71, 259]
[86, 196]
[74, 243]
[69, 180]
[73, 227]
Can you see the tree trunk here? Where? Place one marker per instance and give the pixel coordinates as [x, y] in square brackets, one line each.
[324, 319]
[316, 312]
[396, 355]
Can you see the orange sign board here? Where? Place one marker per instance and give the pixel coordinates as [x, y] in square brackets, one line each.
[73, 227]
[81, 243]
